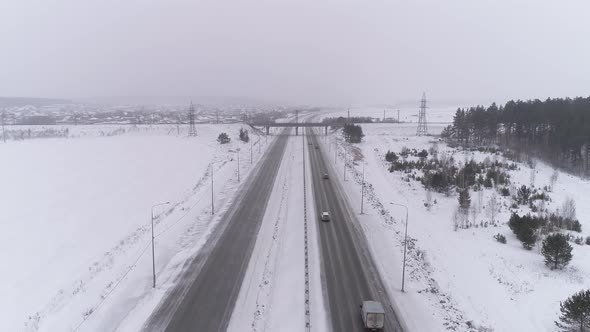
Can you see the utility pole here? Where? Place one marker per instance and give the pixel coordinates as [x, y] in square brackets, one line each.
[363, 188]
[405, 245]
[345, 163]
[397, 116]
[348, 120]
[383, 116]
[153, 245]
[217, 117]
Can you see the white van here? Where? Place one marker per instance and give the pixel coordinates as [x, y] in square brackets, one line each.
[373, 315]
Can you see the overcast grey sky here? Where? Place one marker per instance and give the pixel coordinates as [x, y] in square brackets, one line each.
[305, 51]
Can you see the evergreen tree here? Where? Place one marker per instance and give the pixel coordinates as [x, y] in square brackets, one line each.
[244, 135]
[557, 130]
[464, 199]
[575, 313]
[557, 251]
[353, 133]
[524, 228]
[523, 195]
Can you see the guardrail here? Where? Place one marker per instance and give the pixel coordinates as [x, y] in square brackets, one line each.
[305, 246]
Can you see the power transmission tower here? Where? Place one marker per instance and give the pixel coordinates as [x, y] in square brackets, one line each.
[192, 130]
[422, 123]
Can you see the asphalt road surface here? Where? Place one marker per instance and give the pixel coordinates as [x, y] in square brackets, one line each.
[206, 292]
[349, 275]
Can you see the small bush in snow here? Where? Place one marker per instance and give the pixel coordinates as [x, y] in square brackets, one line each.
[391, 156]
[423, 154]
[223, 138]
[556, 250]
[588, 240]
[565, 223]
[505, 192]
[579, 240]
[575, 312]
[500, 238]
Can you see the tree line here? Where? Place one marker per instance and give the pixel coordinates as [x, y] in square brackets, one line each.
[557, 130]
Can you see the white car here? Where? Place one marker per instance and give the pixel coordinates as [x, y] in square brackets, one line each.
[325, 216]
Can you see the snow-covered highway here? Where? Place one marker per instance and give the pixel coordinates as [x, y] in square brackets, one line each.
[204, 297]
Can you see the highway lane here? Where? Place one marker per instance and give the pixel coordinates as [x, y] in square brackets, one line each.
[349, 274]
[206, 292]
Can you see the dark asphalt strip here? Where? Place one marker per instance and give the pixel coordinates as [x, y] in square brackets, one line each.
[348, 270]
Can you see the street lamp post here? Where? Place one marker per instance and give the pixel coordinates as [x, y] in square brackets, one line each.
[153, 245]
[212, 206]
[405, 245]
[345, 163]
[238, 164]
[335, 150]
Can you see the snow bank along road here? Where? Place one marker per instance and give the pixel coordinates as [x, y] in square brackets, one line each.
[204, 297]
[349, 275]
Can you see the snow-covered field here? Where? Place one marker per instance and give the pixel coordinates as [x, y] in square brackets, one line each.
[461, 279]
[76, 220]
[77, 256]
[435, 114]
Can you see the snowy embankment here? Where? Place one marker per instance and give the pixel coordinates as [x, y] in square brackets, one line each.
[272, 296]
[463, 279]
[76, 214]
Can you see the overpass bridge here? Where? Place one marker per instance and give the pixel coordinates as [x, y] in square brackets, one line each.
[325, 125]
[296, 125]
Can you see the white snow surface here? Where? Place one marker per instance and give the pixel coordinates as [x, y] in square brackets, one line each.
[76, 251]
[460, 280]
